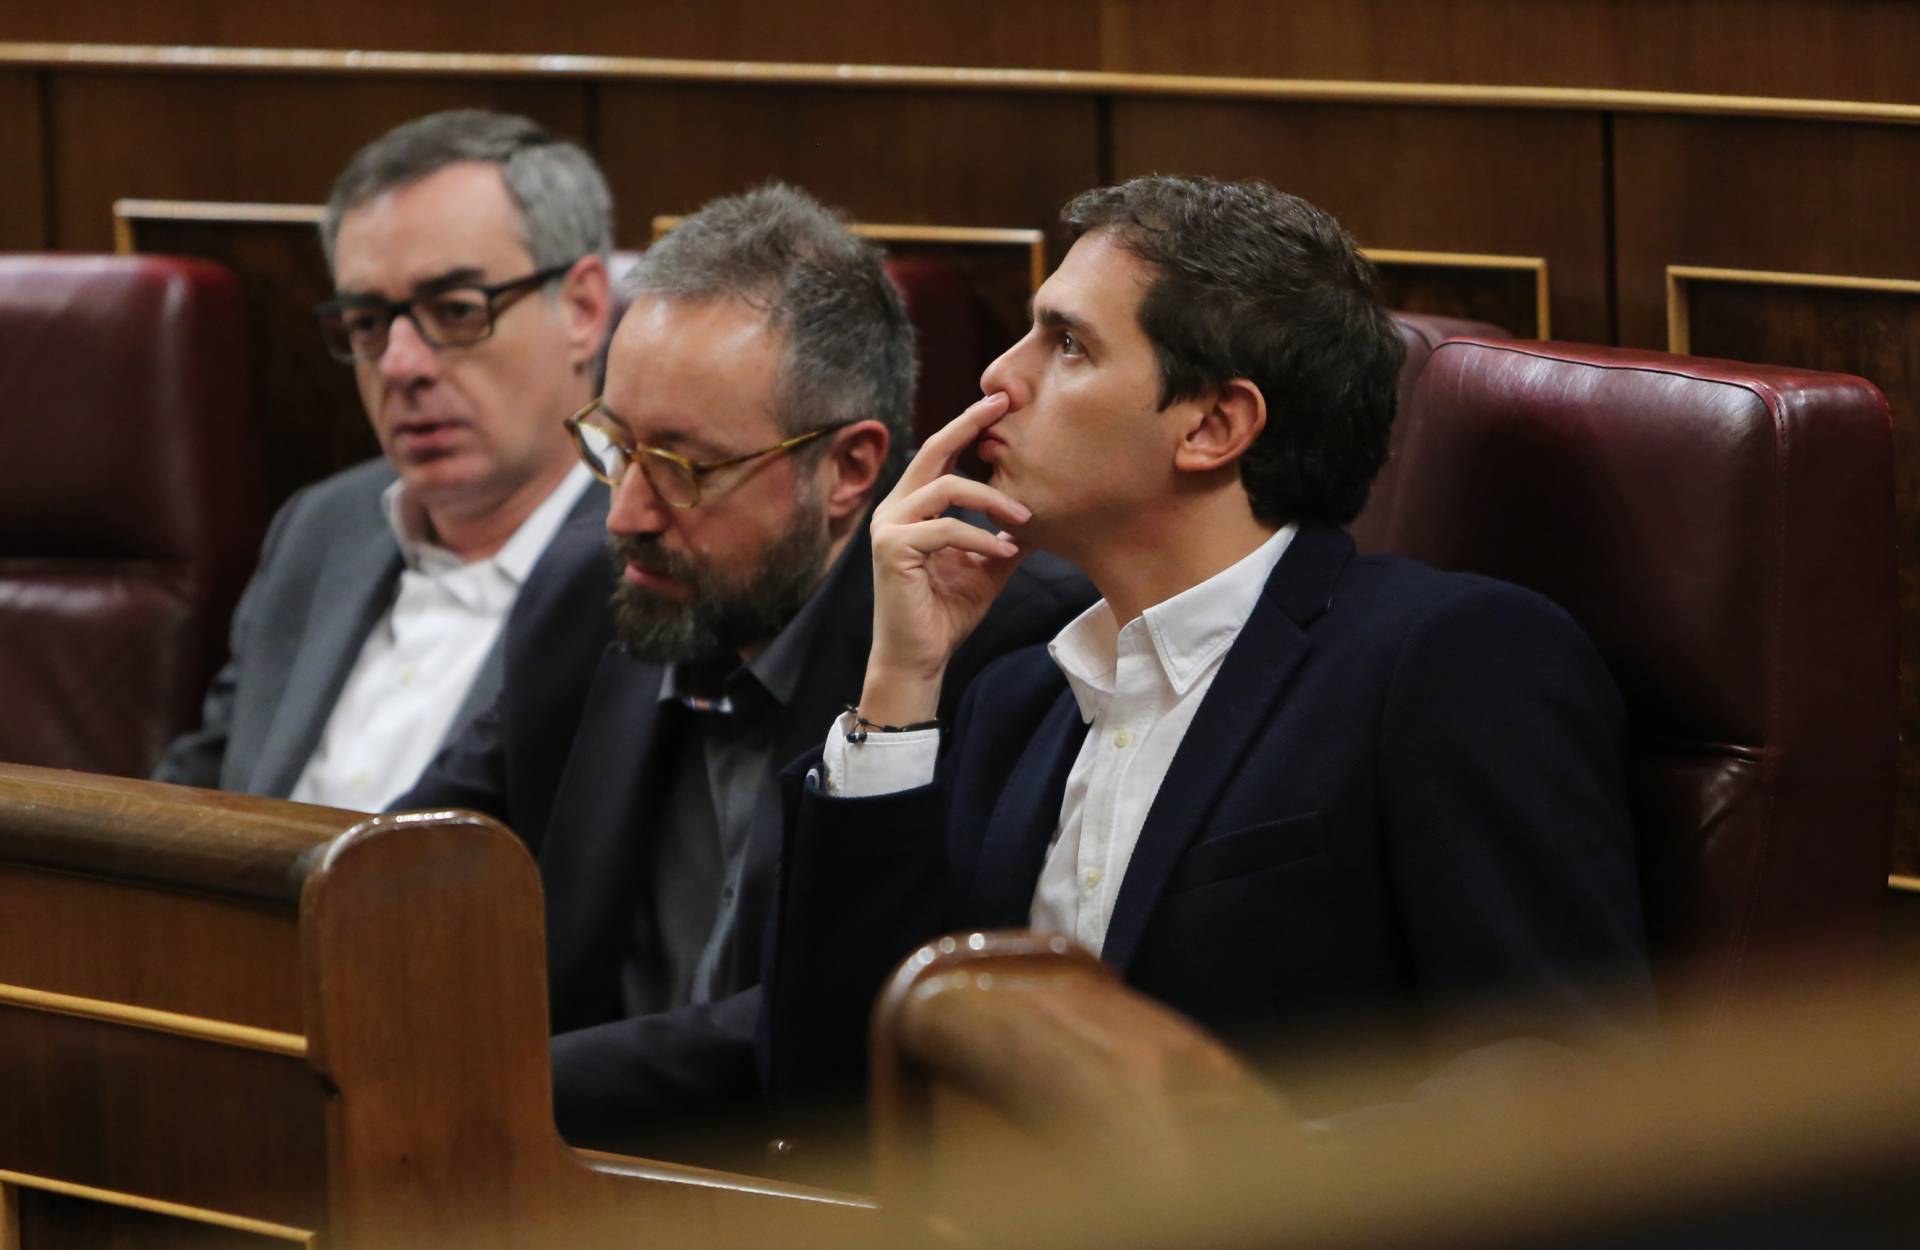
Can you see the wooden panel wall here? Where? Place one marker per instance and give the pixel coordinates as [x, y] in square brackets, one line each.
[23, 221]
[242, 138]
[1446, 180]
[906, 157]
[1834, 49]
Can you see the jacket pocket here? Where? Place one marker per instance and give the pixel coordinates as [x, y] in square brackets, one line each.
[1243, 851]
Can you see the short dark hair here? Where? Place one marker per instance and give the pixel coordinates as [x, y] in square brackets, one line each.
[1254, 283]
[849, 345]
[566, 211]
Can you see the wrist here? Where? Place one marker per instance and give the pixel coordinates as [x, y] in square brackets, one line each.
[890, 697]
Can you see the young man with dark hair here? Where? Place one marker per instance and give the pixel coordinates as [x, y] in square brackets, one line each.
[1284, 788]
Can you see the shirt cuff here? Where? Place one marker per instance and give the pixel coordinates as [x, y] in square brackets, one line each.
[882, 764]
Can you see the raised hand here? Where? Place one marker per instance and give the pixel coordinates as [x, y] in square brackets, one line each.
[934, 576]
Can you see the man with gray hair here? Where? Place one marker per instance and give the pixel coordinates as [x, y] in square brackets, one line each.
[758, 399]
[468, 251]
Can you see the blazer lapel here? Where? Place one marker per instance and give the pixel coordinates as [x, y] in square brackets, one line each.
[836, 654]
[590, 858]
[353, 590]
[1239, 706]
[1023, 823]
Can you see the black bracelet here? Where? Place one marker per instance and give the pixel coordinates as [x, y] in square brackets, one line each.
[862, 726]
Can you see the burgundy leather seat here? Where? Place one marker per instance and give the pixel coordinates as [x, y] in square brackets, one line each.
[130, 501]
[1725, 534]
[1420, 333]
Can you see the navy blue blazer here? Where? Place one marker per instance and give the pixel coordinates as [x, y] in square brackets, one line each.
[1403, 795]
[573, 758]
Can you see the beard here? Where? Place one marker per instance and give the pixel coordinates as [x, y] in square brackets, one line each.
[723, 614]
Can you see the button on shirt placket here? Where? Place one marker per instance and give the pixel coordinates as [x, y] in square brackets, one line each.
[1129, 709]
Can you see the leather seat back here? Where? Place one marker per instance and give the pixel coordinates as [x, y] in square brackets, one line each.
[130, 501]
[1724, 532]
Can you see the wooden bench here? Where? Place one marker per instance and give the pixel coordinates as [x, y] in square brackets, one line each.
[231, 1020]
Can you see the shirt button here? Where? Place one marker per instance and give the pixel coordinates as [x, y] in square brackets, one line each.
[1093, 877]
[1122, 738]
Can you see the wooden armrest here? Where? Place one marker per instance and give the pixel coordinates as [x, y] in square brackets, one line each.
[1017, 1063]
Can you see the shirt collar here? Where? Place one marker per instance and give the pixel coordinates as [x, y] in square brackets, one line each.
[515, 559]
[1188, 632]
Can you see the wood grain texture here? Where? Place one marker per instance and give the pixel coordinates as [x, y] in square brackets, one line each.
[227, 137]
[75, 1223]
[437, 1034]
[1796, 196]
[221, 959]
[1838, 48]
[165, 1118]
[997, 33]
[312, 420]
[418, 1115]
[1824, 48]
[888, 156]
[1504, 297]
[23, 225]
[1452, 180]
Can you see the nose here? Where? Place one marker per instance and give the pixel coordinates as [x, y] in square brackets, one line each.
[634, 507]
[408, 357]
[1007, 374]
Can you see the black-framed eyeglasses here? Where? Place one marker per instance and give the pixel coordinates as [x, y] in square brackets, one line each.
[609, 452]
[356, 327]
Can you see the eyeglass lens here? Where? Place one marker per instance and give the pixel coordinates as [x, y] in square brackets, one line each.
[668, 478]
[450, 318]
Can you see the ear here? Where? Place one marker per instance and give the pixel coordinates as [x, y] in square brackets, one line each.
[1223, 427]
[586, 301]
[852, 465]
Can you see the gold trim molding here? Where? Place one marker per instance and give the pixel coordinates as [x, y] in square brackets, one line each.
[1903, 884]
[1536, 265]
[1680, 317]
[153, 1206]
[188, 59]
[127, 212]
[200, 1028]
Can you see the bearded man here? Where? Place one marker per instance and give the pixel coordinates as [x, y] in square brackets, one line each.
[758, 399]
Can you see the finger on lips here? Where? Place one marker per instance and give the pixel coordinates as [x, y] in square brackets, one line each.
[943, 447]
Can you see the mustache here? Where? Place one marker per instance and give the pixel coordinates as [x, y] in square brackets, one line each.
[646, 552]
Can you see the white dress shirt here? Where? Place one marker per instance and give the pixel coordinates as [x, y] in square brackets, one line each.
[414, 670]
[1138, 687]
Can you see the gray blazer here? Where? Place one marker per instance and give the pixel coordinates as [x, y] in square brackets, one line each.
[327, 573]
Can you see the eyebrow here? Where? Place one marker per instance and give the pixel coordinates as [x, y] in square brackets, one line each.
[1058, 319]
[463, 275]
[691, 445]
